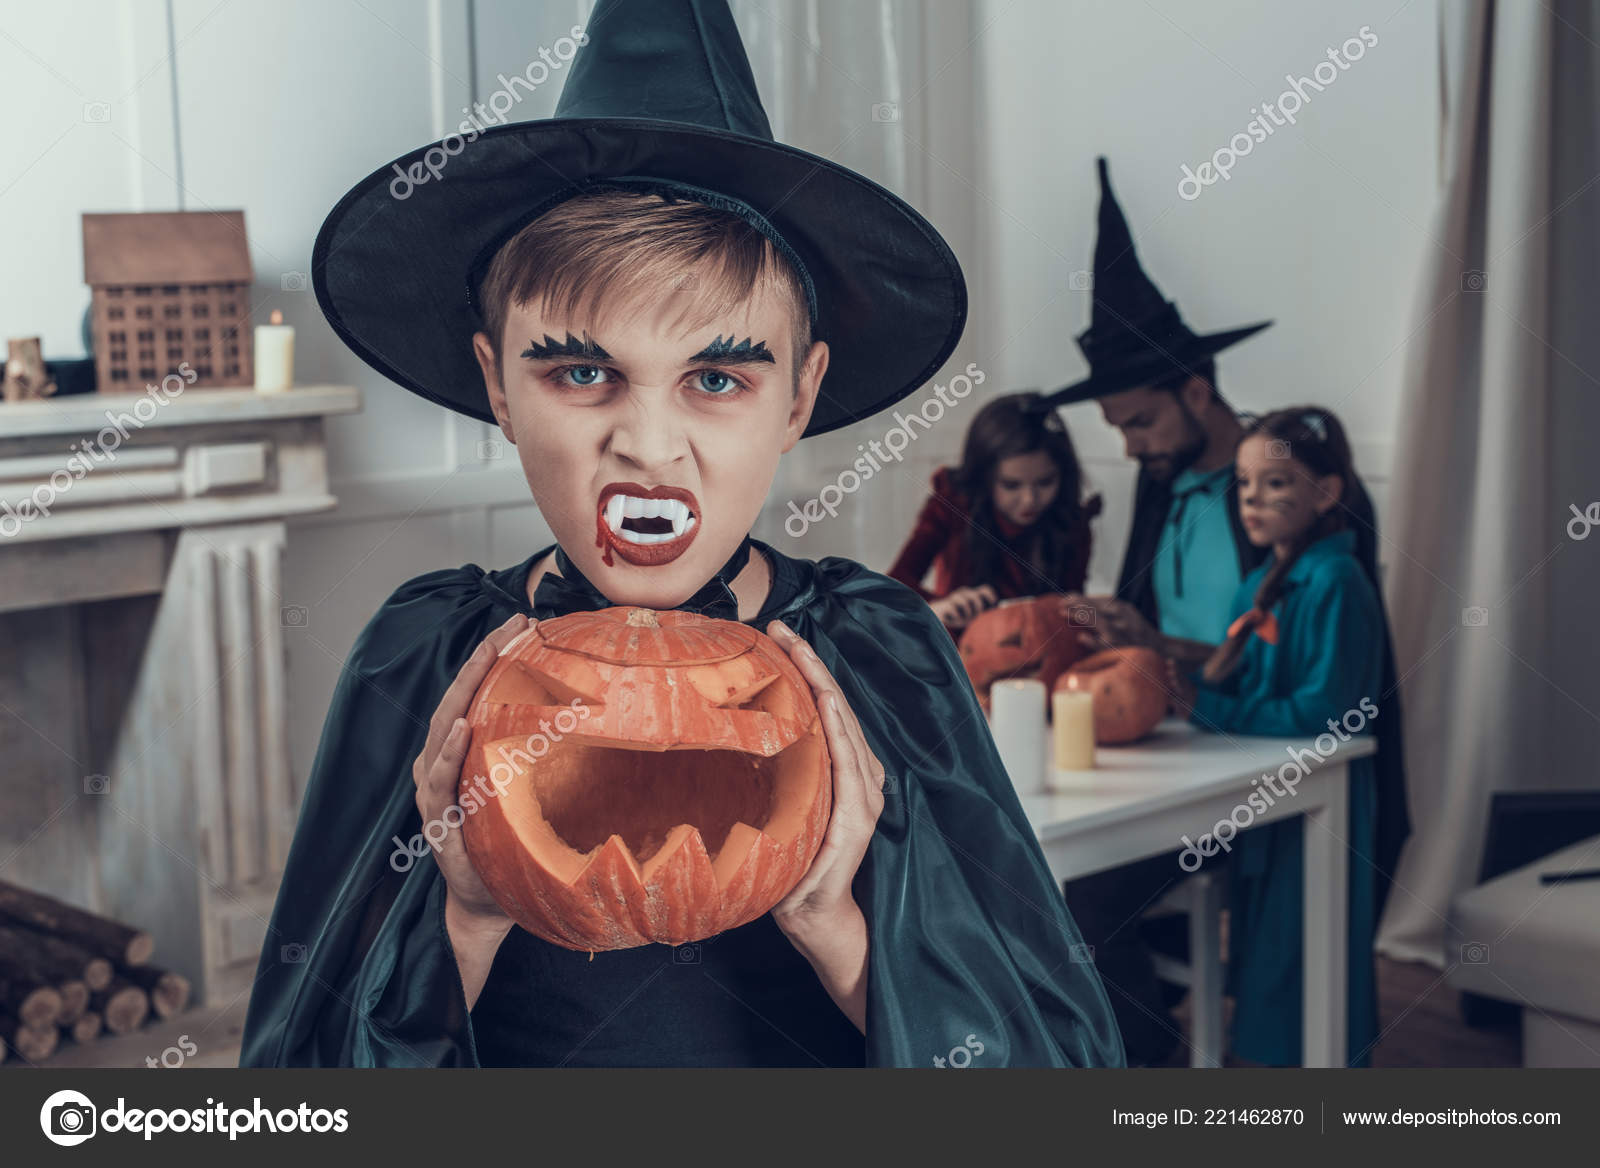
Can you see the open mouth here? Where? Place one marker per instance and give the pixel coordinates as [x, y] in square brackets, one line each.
[588, 793]
[646, 525]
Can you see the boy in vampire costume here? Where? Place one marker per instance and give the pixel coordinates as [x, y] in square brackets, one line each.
[654, 300]
[1155, 380]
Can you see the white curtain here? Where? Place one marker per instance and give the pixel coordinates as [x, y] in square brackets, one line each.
[886, 88]
[1491, 584]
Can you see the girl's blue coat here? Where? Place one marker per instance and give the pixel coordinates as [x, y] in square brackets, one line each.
[1321, 680]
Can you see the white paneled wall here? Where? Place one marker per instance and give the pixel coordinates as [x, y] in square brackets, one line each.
[278, 108]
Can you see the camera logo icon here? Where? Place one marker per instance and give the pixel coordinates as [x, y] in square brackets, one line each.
[1474, 281]
[96, 111]
[1474, 953]
[1081, 616]
[1081, 281]
[1475, 617]
[293, 616]
[292, 954]
[97, 784]
[293, 281]
[67, 1118]
[686, 955]
[885, 111]
[1278, 448]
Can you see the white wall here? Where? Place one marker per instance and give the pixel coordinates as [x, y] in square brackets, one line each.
[1321, 227]
[278, 108]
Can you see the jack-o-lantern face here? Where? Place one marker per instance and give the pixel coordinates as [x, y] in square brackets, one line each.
[643, 776]
[1019, 638]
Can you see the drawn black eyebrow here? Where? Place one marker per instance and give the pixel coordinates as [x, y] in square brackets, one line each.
[725, 352]
[571, 347]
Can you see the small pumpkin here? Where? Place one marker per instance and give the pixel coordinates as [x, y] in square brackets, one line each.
[1028, 637]
[1130, 692]
[643, 777]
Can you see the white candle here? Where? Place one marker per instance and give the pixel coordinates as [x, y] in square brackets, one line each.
[1073, 719]
[274, 355]
[1016, 720]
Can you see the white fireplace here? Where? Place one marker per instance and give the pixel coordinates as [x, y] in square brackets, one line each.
[144, 771]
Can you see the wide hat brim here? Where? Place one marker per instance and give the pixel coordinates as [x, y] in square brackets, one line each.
[392, 273]
[1148, 365]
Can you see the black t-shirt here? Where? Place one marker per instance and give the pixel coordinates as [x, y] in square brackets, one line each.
[745, 997]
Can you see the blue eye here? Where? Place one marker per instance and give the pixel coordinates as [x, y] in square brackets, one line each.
[716, 382]
[585, 374]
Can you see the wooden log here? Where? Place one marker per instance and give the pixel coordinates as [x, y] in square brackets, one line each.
[101, 936]
[34, 1043]
[34, 1004]
[98, 972]
[86, 1028]
[169, 992]
[28, 958]
[122, 1006]
[50, 959]
[74, 1001]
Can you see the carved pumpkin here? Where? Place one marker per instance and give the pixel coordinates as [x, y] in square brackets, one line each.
[1130, 692]
[643, 776]
[1019, 638]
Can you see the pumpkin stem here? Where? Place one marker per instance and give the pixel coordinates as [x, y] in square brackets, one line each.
[643, 617]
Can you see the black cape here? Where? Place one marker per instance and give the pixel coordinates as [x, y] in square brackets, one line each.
[969, 936]
[1136, 585]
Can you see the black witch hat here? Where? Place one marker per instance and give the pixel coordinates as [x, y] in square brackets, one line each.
[1135, 335]
[660, 98]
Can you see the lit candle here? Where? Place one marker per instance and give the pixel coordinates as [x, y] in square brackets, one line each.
[274, 355]
[1016, 720]
[1073, 714]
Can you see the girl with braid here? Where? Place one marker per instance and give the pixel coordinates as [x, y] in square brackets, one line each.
[1303, 658]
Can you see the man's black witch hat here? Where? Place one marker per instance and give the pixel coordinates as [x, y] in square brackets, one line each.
[1135, 335]
[660, 98]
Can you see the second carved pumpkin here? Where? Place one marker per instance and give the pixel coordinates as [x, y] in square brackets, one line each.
[1130, 692]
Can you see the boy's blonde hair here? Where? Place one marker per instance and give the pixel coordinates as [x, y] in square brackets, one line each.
[639, 246]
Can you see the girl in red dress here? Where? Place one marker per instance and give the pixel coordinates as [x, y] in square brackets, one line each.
[1009, 521]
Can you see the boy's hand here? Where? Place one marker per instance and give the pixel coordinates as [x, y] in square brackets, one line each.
[437, 774]
[858, 779]
[820, 916]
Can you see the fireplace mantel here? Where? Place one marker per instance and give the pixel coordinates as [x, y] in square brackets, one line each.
[204, 456]
[144, 768]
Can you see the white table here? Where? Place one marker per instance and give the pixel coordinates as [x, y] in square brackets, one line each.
[1141, 799]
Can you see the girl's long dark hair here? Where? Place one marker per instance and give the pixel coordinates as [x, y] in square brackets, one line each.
[1003, 428]
[1313, 437]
